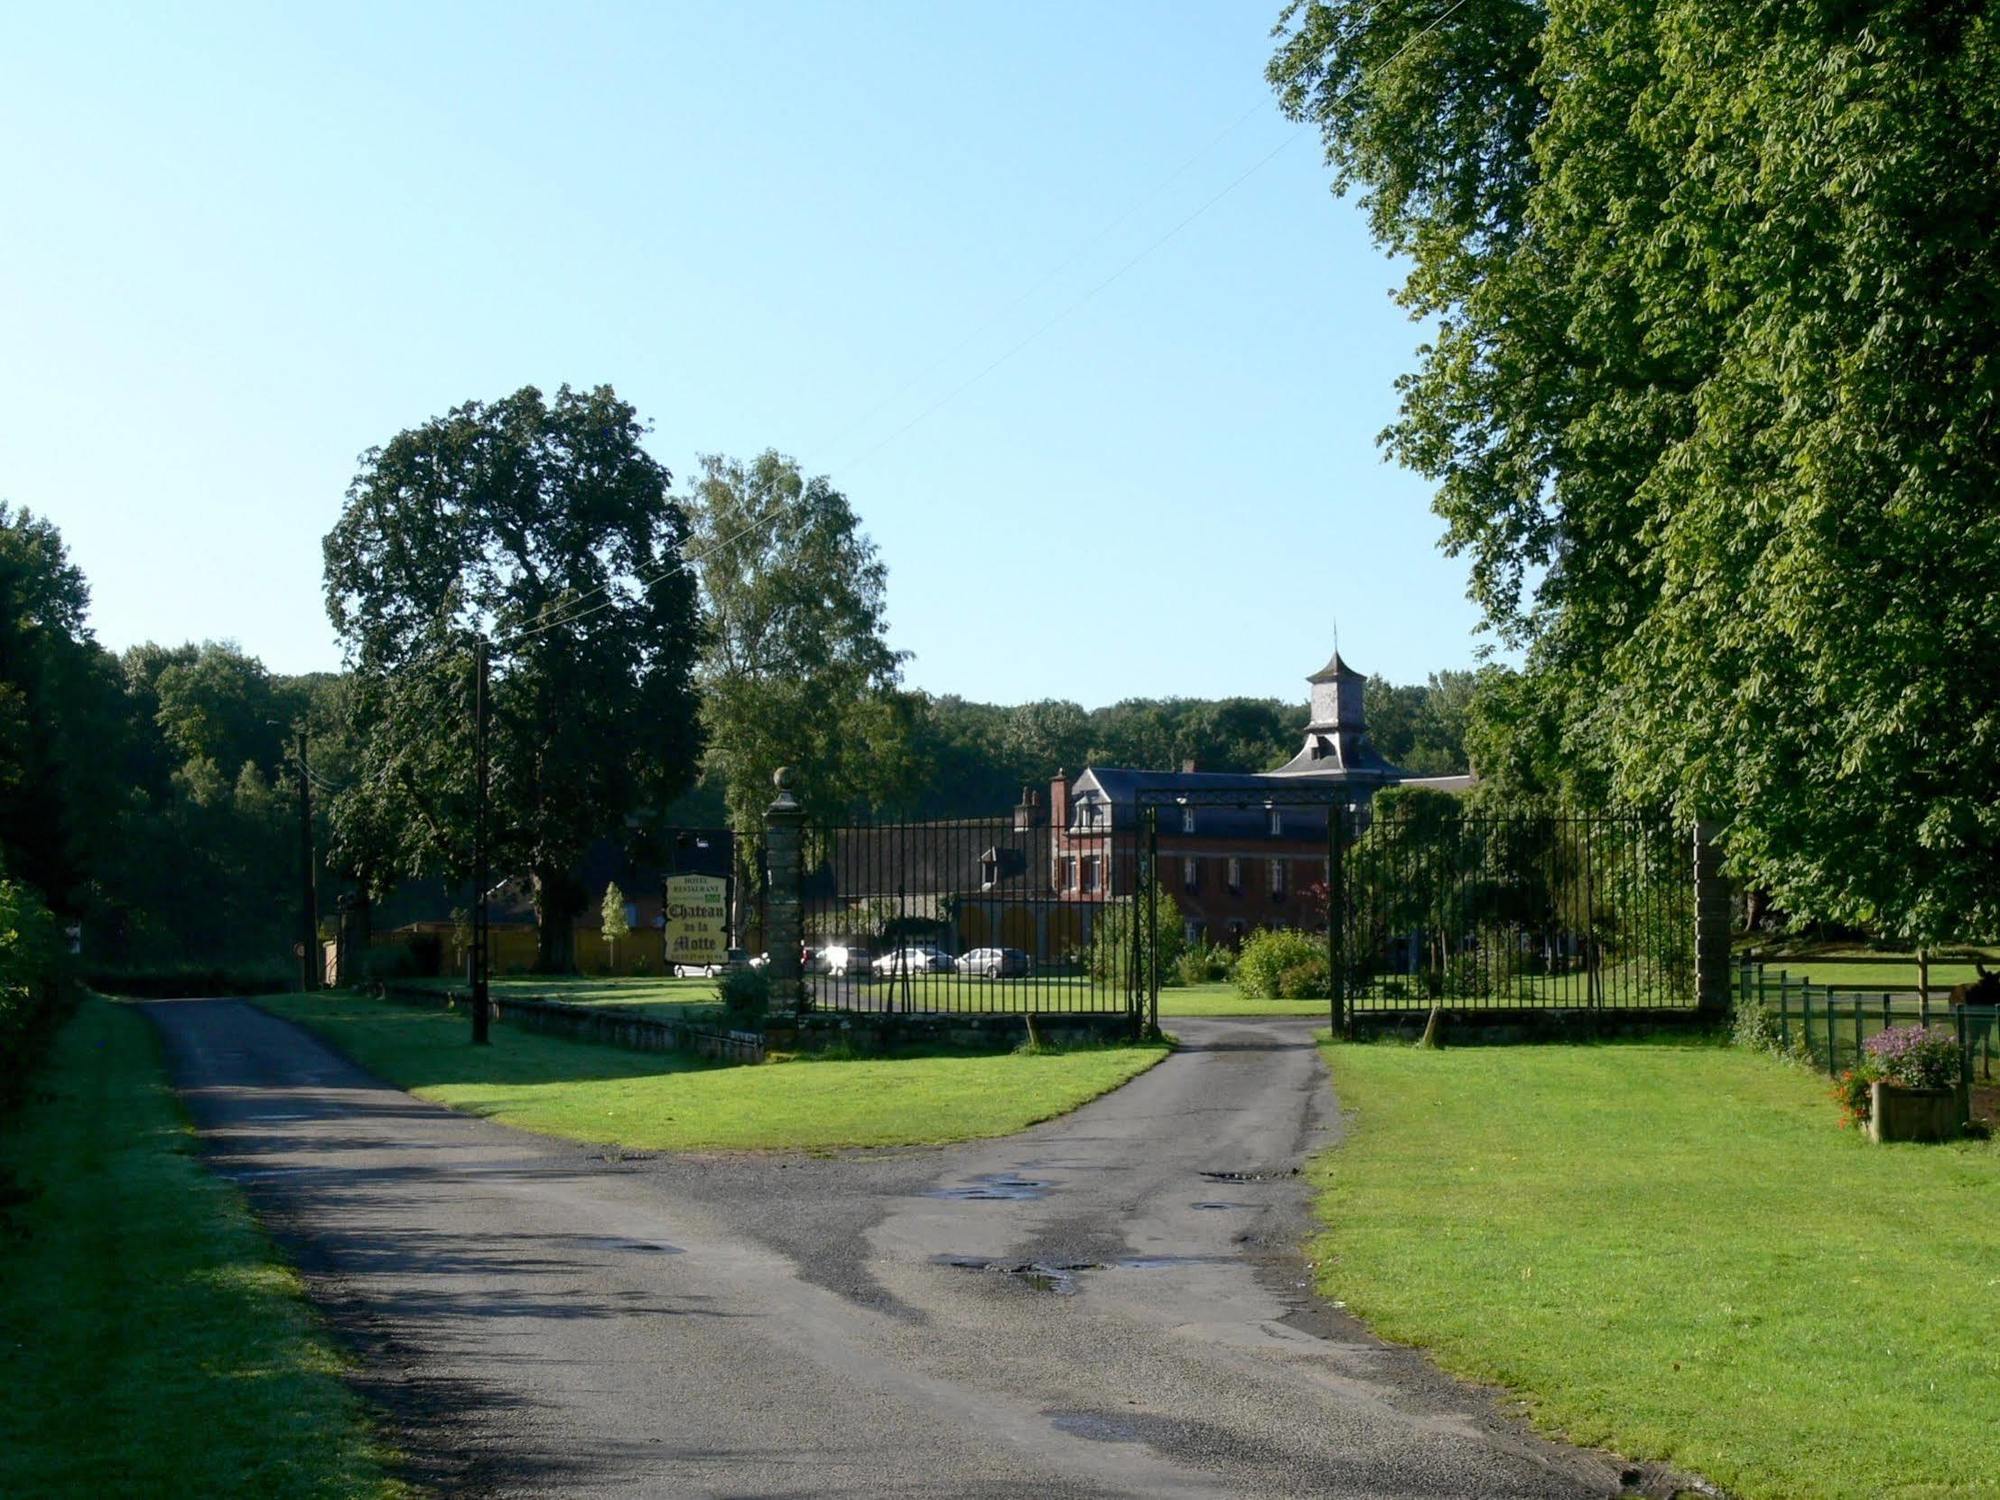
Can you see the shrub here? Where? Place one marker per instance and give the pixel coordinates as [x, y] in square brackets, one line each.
[1850, 1092]
[1113, 939]
[389, 961]
[1268, 953]
[746, 997]
[427, 953]
[1755, 1025]
[1311, 980]
[31, 982]
[1203, 963]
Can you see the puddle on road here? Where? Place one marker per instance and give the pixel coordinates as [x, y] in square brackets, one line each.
[1093, 1425]
[1221, 1205]
[1167, 1262]
[1277, 1176]
[1058, 1277]
[1061, 1277]
[612, 1242]
[994, 1187]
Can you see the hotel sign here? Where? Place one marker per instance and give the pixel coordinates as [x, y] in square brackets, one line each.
[697, 919]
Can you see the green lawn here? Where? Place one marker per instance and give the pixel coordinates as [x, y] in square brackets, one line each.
[669, 999]
[689, 999]
[151, 1343]
[656, 1101]
[1893, 974]
[1673, 1251]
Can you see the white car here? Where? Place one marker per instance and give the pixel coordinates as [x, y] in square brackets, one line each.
[913, 961]
[841, 959]
[734, 958]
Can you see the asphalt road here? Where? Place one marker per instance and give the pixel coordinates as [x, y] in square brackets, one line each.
[1106, 1305]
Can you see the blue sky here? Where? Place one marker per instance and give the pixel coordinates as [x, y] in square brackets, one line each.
[245, 244]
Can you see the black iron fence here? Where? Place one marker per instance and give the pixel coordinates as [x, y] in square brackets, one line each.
[1570, 912]
[964, 916]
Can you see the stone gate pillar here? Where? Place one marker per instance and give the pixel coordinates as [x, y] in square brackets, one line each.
[784, 925]
[1711, 921]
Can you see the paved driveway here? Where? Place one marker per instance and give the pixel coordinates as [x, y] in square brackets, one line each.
[1105, 1305]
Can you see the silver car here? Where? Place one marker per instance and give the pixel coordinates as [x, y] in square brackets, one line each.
[913, 961]
[996, 963]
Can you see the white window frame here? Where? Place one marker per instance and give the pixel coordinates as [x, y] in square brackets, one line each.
[1191, 873]
[1277, 880]
[1235, 872]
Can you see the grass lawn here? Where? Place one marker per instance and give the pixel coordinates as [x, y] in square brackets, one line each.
[1672, 1250]
[1892, 974]
[685, 999]
[150, 1341]
[1224, 999]
[669, 999]
[658, 1101]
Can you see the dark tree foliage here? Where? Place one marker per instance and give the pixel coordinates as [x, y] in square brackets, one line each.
[546, 529]
[1709, 401]
[60, 718]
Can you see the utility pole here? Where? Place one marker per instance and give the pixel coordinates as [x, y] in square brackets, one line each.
[481, 1018]
[308, 879]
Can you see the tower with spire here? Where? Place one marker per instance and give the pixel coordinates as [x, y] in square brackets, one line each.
[1337, 745]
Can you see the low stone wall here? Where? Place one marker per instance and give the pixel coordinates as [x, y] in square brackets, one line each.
[614, 1026]
[1494, 1027]
[873, 1031]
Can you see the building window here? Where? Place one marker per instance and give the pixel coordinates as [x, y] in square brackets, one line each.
[1235, 874]
[1277, 820]
[1193, 931]
[1191, 873]
[1069, 872]
[1092, 864]
[1277, 880]
[1187, 820]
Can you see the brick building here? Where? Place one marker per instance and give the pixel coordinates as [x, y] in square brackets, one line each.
[1232, 865]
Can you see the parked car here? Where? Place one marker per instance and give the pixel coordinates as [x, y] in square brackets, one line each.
[996, 963]
[842, 959]
[733, 958]
[913, 961]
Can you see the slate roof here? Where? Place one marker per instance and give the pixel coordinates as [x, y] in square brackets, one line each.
[1335, 670]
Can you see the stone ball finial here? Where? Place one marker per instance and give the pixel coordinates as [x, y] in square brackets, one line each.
[782, 778]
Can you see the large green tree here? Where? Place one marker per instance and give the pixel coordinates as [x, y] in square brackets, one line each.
[544, 528]
[1709, 397]
[797, 670]
[61, 718]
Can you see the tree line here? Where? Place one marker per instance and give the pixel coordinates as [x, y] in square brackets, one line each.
[653, 655]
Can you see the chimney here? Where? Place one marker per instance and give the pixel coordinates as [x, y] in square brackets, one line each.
[1059, 800]
[1189, 767]
[1028, 811]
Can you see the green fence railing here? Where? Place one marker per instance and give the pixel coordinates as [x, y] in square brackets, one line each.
[1831, 1025]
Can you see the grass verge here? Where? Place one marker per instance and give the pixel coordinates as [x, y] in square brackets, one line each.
[1672, 1251]
[151, 1343]
[662, 1102]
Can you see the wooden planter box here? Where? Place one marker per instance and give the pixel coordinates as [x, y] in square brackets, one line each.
[1899, 1114]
